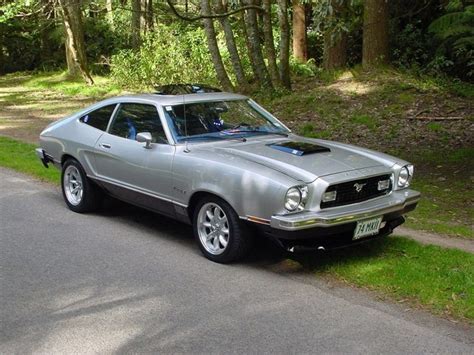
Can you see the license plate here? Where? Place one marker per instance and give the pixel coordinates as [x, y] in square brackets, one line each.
[367, 228]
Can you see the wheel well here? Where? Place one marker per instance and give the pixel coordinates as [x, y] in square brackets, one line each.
[66, 157]
[196, 197]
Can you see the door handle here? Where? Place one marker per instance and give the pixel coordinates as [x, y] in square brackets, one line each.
[105, 145]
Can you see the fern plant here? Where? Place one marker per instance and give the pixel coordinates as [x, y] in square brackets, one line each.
[455, 31]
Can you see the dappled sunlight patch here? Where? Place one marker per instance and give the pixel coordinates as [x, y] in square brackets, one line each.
[368, 269]
[20, 107]
[287, 266]
[104, 319]
[8, 126]
[346, 75]
[351, 87]
[9, 90]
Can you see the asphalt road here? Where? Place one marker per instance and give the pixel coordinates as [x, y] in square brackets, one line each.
[127, 280]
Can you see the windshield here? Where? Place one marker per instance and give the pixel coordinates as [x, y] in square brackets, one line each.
[220, 120]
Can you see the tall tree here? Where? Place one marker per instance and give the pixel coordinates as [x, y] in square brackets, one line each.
[300, 48]
[335, 37]
[255, 46]
[146, 15]
[243, 27]
[375, 48]
[269, 43]
[335, 50]
[231, 46]
[136, 11]
[284, 43]
[110, 12]
[149, 23]
[75, 47]
[214, 47]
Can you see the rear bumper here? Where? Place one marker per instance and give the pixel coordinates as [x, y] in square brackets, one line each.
[44, 157]
[398, 202]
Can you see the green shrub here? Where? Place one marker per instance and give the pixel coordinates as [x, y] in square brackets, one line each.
[170, 54]
[455, 33]
[303, 69]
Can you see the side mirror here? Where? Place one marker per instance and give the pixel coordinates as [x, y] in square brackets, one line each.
[145, 137]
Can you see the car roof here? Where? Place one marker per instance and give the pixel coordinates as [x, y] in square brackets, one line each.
[178, 99]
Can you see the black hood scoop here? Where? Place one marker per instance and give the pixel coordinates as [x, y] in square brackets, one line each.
[299, 148]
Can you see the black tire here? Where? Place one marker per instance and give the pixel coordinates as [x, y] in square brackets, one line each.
[239, 237]
[91, 196]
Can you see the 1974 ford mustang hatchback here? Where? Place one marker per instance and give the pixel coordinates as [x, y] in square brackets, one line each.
[222, 163]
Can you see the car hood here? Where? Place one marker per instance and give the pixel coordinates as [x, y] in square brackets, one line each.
[306, 167]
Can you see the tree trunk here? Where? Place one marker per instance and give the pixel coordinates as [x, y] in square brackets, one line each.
[214, 48]
[149, 15]
[231, 46]
[2, 59]
[375, 48]
[255, 53]
[110, 13]
[243, 25]
[269, 44]
[75, 46]
[284, 43]
[300, 48]
[335, 50]
[136, 11]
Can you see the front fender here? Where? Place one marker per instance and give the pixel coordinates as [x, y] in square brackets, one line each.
[251, 189]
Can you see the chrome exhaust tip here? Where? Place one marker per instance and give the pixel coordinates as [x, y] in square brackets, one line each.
[300, 248]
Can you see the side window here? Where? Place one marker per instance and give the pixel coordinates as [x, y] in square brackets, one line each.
[99, 118]
[136, 118]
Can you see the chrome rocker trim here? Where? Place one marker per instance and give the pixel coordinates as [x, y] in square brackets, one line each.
[395, 202]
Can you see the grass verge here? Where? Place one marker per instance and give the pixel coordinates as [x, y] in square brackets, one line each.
[444, 180]
[443, 209]
[21, 157]
[437, 279]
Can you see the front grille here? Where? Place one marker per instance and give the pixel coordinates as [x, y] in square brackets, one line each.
[347, 193]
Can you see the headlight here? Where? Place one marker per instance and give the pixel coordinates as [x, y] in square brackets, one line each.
[405, 175]
[295, 198]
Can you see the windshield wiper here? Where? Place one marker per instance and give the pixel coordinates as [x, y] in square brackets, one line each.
[258, 131]
[200, 137]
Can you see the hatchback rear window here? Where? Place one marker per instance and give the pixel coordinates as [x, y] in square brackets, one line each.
[99, 118]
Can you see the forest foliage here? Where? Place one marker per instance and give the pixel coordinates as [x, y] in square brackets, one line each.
[238, 44]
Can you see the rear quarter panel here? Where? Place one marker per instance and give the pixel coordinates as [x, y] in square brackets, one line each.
[71, 137]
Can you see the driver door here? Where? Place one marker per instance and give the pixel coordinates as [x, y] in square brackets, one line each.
[129, 170]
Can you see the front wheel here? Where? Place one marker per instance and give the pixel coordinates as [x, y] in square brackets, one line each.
[80, 194]
[221, 235]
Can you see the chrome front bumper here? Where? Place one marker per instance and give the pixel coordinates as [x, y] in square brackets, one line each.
[397, 201]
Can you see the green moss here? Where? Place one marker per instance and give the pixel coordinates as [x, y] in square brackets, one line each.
[405, 98]
[366, 120]
[435, 126]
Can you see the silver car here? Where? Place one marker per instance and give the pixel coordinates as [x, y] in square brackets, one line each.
[221, 162]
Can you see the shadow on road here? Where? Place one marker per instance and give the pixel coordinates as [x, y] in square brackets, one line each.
[265, 253]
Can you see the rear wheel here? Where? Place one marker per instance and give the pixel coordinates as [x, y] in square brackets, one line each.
[81, 194]
[221, 235]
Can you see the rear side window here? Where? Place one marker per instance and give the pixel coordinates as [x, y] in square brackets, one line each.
[99, 118]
